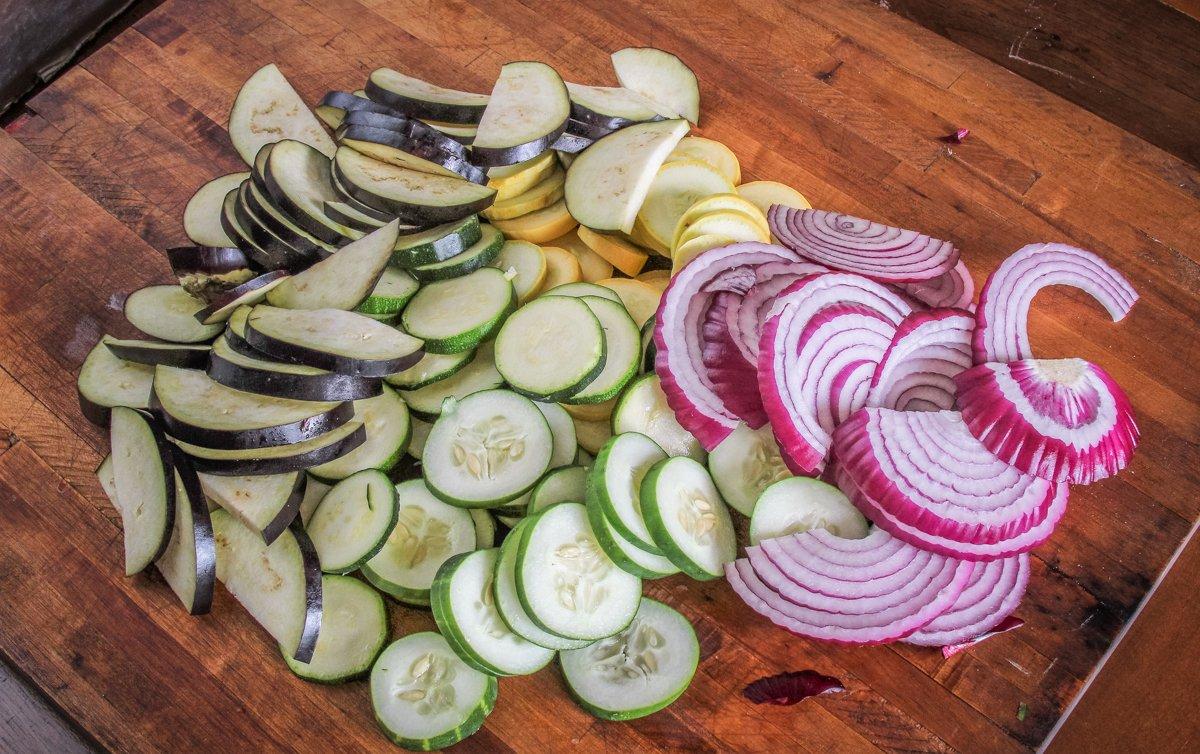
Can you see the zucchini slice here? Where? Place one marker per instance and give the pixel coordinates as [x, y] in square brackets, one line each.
[420, 99]
[551, 348]
[153, 352]
[268, 109]
[562, 267]
[198, 410]
[540, 226]
[610, 107]
[279, 584]
[202, 215]
[435, 244]
[487, 449]
[687, 518]
[479, 374]
[411, 195]
[513, 180]
[105, 380]
[677, 186]
[257, 374]
[433, 367]
[661, 78]
[314, 492]
[608, 182]
[527, 112]
[221, 307]
[525, 266]
[456, 315]
[425, 697]
[340, 341]
[266, 503]
[354, 628]
[711, 152]
[342, 280]
[189, 562]
[144, 480]
[508, 604]
[279, 459]
[168, 312]
[392, 292]
[478, 255]
[395, 148]
[298, 180]
[548, 191]
[622, 352]
[353, 521]
[205, 271]
[427, 533]
[386, 421]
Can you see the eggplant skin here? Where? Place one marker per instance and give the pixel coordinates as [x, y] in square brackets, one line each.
[418, 108]
[416, 147]
[203, 538]
[259, 437]
[313, 597]
[208, 260]
[289, 512]
[407, 127]
[490, 157]
[153, 353]
[299, 462]
[264, 381]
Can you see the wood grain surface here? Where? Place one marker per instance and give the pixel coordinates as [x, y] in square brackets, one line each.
[841, 99]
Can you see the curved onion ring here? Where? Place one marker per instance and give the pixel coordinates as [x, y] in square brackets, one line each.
[1003, 312]
[806, 374]
[993, 593]
[849, 243]
[916, 373]
[842, 614]
[745, 320]
[926, 471]
[1065, 420]
[955, 289]
[700, 399]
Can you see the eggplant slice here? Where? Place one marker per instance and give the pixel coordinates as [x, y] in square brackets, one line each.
[106, 380]
[610, 107]
[144, 480]
[153, 353]
[279, 459]
[268, 109]
[395, 148]
[420, 99]
[410, 127]
[206, 271]
[266, 503]
[297, 179]
[527, 112]
[255, 374]
[202, 215]
[336, 105]
[340, 341]
[412, 196]
[220, 309]
[343, 280]
[189, 564]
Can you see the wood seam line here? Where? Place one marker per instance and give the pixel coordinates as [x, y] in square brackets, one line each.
[39, 693]
[1117, 640]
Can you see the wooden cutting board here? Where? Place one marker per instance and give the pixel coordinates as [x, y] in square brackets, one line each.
[841, 99]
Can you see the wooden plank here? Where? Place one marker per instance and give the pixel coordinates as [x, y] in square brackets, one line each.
[29, 724]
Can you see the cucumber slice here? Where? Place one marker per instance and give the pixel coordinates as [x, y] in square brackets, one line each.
[566, 583]
[661, 78]
[354, 628]
[622, 349]
[279, 584]
[267, 504]
[168, 312]
[744, 464]
[526, 113]
[394, 289]
[687, 519]
[508, 604]
[614, 484]
[457, 315]
[479, 254]
[420, 433]
[420, 99]
[525, 265]
[465, 611]
[799, 504]
[485, 529]
[551, 348]
[639, 671]
[487, 449]
[643, 408]
[106, 381]
[426, 534]
[425, 697]
[628, 556]
[332, 339]
[479, 374]
[342, 280]
[563, 431]
[314, 492]
[412, 196]
[433, 367]
[437, 243]
[202, 215]
[353, 521]
[267, 109]
[581, 289]
[510, 521]
[385, 418]
[144, 480]
[563, 485]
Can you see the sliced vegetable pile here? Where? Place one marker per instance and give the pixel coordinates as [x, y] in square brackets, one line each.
[552, 308]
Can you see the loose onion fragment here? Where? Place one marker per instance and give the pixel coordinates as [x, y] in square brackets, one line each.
[1003, 312]
[954, 289]
[1008, 624]
[868, 248]
[1064, 420]
[917, 371]
[993, 593]
[792, 687]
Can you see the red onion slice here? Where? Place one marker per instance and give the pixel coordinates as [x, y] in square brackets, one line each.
[882, 590]
[803, 375]
[1003, 312]
[1065, 420]
[954, 289]
[790, 688]
[993, 593]
[745, 320]
[852, 244]
[916, 373]
[684, 346]
[926, 470]
[1008, 624]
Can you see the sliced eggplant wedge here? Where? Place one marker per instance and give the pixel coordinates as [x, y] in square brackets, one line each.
[168, 312]
[420, 99]
[205, 271]
[410, 127]
[340, 341]
[202, 215]
[268, 109]
[233, 225]
[587, 130]
[255, 374]
[527, 112]
[352, 217]
[341, 281]
[610, 107]
[411, 195]
[661, 78]
[297, 179]
[284, 250]
[144, 479]
[335, 105]
[279, 459]
[189, 564]
[153, 353]
[256, 201]
[267, 504]
[106, 380]
[235, 335]
[395, 148]
[570, 144]
[197, 409]
[279, 584]
[462, 133]
[249, 293]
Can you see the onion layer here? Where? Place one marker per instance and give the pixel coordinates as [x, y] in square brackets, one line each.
[746, 319]
[1003, 313]
[993, 593]
[916, 373]
[954, 289]
[852, 244]
[1065, 420]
